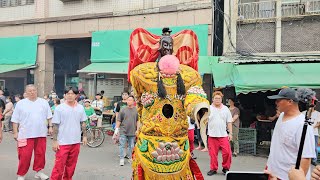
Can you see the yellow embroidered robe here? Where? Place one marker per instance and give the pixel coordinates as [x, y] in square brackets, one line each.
[162, 148]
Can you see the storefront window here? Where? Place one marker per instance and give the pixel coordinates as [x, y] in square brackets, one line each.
[2, 84]
[72, 80]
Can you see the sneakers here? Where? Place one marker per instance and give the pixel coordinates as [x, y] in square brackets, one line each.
[130, 161]
[41, 175]
[211, 172]
[225, 171]
[121, 162]
[126, 156]
[20, 178]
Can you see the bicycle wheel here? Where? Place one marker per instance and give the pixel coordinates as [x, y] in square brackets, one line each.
[95, 137]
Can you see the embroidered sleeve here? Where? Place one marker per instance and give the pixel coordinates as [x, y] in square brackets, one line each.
[195, 97]
[137, 90]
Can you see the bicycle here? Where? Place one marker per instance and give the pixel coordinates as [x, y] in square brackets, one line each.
[95, 135]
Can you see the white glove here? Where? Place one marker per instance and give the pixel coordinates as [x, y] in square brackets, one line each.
[116, 131]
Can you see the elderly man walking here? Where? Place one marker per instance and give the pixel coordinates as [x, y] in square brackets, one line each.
[220, 123]
[31, 116]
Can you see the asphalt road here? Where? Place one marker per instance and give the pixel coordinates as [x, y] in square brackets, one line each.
[102, 163]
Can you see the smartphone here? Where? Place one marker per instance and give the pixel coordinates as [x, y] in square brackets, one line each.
[239, 175]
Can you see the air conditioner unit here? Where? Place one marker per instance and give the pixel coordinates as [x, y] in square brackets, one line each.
[70, 0]
[313, 7]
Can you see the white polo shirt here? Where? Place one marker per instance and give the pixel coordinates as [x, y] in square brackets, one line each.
[285, 146]
[32, 117]
[218, 120]
[69, 120]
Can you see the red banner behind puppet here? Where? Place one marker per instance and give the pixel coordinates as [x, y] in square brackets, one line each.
[144, 47]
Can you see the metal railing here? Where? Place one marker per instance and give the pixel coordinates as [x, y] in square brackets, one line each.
[292, 9]
[312, 7]
[257, 10]
[267, 9]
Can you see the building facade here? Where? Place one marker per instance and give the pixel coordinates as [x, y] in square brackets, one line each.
[272, 27]
[65, 29]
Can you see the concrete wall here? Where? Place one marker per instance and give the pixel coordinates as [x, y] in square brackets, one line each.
[43, 76]
[18, 12]
[57, 8]
[80, 28]
[77, 27]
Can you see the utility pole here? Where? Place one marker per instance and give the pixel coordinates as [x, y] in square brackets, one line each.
[278, 26]
[230, 26]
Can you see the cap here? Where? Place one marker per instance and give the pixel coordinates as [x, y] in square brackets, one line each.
[98, 94]
[286, 93]
[87, 100]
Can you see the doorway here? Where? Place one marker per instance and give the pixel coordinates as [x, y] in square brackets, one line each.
[70, 55]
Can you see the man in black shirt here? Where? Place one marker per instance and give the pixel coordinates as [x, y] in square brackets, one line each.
[2, 107]
[122, 103]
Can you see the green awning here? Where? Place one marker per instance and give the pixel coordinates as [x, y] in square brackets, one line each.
[18, 52]
[13, 67]
[113, 46]
[205, 62]
[112, 68]
[220, 71]
[204, 65]
[263, 77]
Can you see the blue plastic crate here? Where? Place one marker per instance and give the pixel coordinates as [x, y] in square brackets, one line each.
[247, 135]
[247, 148]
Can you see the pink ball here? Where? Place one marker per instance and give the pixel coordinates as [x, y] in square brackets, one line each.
[169, 64]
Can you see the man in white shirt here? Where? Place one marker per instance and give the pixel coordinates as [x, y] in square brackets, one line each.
[315, 119]
[219, 120]
[287, 136]
[68, 121]
[31, 116]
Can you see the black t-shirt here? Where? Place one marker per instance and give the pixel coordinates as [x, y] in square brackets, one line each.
[120, 105]
[2, 107]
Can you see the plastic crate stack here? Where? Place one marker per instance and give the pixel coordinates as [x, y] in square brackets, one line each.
[247, 141]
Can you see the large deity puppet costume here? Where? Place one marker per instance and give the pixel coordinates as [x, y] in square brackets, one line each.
[167, 86]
